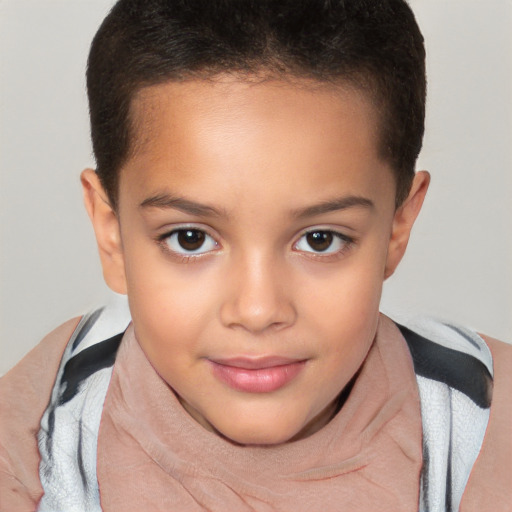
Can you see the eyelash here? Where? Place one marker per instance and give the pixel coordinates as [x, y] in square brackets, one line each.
[348, 242]
[163, 241]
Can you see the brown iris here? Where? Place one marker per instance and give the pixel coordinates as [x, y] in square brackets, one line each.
[191, 239]
[319, 240]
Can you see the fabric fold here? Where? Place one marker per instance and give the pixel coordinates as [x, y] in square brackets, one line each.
[371, 450]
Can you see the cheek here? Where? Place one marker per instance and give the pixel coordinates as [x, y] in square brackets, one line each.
[345, 306]
[171, 305]
[347, 293]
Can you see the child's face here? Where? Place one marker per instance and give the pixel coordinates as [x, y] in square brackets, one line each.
[257, 225]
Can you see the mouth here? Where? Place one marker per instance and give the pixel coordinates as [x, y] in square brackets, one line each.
[262, 375]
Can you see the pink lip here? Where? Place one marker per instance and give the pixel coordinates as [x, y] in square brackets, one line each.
[262, 375]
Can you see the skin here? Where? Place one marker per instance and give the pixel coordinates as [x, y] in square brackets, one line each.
[265, 158]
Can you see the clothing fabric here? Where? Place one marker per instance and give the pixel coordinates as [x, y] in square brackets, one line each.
[368, 457]
[24, 395]
[149, 450]
[71, 422]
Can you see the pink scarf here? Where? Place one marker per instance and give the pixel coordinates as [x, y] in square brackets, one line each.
[153, 456]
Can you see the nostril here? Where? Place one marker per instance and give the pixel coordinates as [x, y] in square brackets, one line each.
[256, 318]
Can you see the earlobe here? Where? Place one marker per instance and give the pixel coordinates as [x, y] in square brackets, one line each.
[403, 221]
[107, 230]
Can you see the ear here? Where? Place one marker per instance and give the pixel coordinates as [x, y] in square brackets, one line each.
[106, 228]
[403, 221]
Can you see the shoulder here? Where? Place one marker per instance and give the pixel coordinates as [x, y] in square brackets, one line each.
[491, 478]
[24, 394]
[70, 424]
[463, 378]
[49, 376]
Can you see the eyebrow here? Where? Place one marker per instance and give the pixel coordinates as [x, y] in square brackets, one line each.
[332, 205]
[164, 201]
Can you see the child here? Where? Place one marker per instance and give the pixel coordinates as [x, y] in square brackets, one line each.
[255, 186]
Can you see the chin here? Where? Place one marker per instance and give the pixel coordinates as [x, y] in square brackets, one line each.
[259, 440]
[260, 435]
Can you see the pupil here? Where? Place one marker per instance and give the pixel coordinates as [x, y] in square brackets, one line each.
[320, 240]
[190, 239]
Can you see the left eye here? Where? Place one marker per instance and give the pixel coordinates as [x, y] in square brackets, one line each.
[322, 241]
[190, 241]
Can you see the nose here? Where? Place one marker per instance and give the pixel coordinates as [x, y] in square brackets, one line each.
[258, 296]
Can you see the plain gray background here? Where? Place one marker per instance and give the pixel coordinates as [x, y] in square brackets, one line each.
[459, 262]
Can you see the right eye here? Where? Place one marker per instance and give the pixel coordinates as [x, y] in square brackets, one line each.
[189, 241]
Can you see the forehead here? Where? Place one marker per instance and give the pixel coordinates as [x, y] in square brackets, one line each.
[235, 99]
[192, 133]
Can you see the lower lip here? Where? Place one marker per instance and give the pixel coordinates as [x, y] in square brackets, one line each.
[262, 380]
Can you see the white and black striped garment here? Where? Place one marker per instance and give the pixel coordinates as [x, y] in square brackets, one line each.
[453, 368]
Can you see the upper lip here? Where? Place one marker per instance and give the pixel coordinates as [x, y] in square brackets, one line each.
[256, 363]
